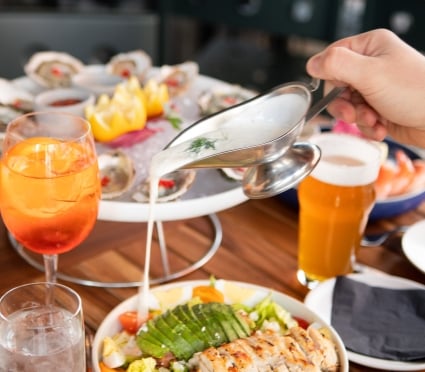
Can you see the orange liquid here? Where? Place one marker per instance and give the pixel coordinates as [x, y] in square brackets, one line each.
[332, 221]
[49, 212]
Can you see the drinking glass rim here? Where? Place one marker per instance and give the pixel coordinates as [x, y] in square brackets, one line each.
[53, 113]
[74, 314]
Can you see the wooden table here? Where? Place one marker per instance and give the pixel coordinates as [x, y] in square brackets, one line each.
[259, 245]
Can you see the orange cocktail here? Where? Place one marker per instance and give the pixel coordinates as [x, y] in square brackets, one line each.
[49, 183]
[49, 210]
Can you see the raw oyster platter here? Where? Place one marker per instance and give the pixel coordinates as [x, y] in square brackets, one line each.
[124, 156]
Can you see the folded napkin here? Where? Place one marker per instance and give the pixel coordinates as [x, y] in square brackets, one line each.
[379, 322]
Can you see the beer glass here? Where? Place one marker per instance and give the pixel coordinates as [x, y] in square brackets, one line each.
[335, 202]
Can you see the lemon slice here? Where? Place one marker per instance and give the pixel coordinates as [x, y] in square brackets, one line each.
[123, 113]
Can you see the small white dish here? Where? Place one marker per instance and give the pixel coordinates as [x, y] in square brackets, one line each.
[413, 245]
[96, 79]
[173, 294]
[70, 100]
[320, 300]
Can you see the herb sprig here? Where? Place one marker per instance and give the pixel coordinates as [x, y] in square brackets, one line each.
[201, 143]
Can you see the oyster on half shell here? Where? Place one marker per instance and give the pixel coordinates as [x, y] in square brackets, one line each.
[171, 186]
[53, 69]
[234, 173]
[178, 78]
[116, 173]
[135, 63]
[14, 101]
[220, 98]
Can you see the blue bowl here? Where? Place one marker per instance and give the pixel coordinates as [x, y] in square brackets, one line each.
[390, 207]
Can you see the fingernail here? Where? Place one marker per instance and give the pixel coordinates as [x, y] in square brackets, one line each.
[313, 65]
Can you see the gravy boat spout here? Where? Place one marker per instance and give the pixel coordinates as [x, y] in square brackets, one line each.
[256, 131]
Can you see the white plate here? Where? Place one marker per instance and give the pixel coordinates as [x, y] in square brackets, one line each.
[413, 244]
[233, 291]
[320, 300]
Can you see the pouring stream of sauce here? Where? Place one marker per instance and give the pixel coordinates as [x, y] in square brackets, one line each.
[255, 127]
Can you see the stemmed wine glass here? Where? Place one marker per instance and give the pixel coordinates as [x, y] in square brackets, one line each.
[49, 183]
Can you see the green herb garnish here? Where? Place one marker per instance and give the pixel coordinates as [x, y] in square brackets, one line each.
[201, 143]
[175, 121]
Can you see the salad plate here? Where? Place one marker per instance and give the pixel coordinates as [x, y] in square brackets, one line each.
[172, 294]
[320, 299]
[413, 245]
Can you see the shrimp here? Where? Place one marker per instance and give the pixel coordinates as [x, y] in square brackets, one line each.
[386, 175]
[418, 181]
[405, 174]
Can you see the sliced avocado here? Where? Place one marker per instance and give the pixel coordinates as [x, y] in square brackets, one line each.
[211, 324]
[181, 330]
[242, 323]
[186, 315]
[179, 346]
[228, 321]
[151, 338]
[150, 346]
[223, 317]
[193, 329]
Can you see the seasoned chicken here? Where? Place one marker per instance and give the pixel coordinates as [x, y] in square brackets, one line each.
[268, 351]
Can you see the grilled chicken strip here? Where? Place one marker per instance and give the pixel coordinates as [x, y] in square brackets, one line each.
[268, 351]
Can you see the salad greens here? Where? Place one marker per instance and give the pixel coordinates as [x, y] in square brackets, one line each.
[124, 350]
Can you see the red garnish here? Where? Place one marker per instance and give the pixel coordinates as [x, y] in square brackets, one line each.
[172, 82]
[301, 322]
[230, 100]
[130, 138]
[105, 181]
[125, 73]
[56, 71]
[65, 102]
[167, 183]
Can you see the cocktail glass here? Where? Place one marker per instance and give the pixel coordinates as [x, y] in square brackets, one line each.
[49, 184]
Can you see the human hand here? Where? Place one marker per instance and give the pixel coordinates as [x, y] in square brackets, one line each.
[387, 85]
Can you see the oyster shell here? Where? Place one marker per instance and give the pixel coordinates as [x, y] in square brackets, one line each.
[171, 186]
[14, 101]
[220, 98]
[53, 69]
[234, 173]
[136, 63]
[116, 173]
[179, 77]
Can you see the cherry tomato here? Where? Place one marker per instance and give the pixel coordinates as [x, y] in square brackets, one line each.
[302, 322]
[130, 322]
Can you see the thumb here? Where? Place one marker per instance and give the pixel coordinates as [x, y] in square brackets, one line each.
[339, 64]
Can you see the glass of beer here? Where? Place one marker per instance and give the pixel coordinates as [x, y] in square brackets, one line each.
[335, 202]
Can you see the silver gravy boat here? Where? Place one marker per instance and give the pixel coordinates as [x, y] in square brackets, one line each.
[275, 163]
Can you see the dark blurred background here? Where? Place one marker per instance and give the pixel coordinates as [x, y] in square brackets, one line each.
[255, 43]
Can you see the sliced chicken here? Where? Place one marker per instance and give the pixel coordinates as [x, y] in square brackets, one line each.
[330, 361]
[268, 351]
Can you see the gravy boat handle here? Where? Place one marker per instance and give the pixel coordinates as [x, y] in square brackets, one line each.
[322, 103]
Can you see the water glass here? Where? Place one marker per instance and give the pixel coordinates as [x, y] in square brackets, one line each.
[39, 333]
[335, 203]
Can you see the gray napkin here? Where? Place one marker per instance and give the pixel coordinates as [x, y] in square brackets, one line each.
[379, 322]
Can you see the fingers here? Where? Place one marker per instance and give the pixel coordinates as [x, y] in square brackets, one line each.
[339, 65]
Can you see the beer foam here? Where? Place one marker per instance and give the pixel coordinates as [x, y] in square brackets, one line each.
[361, 169]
